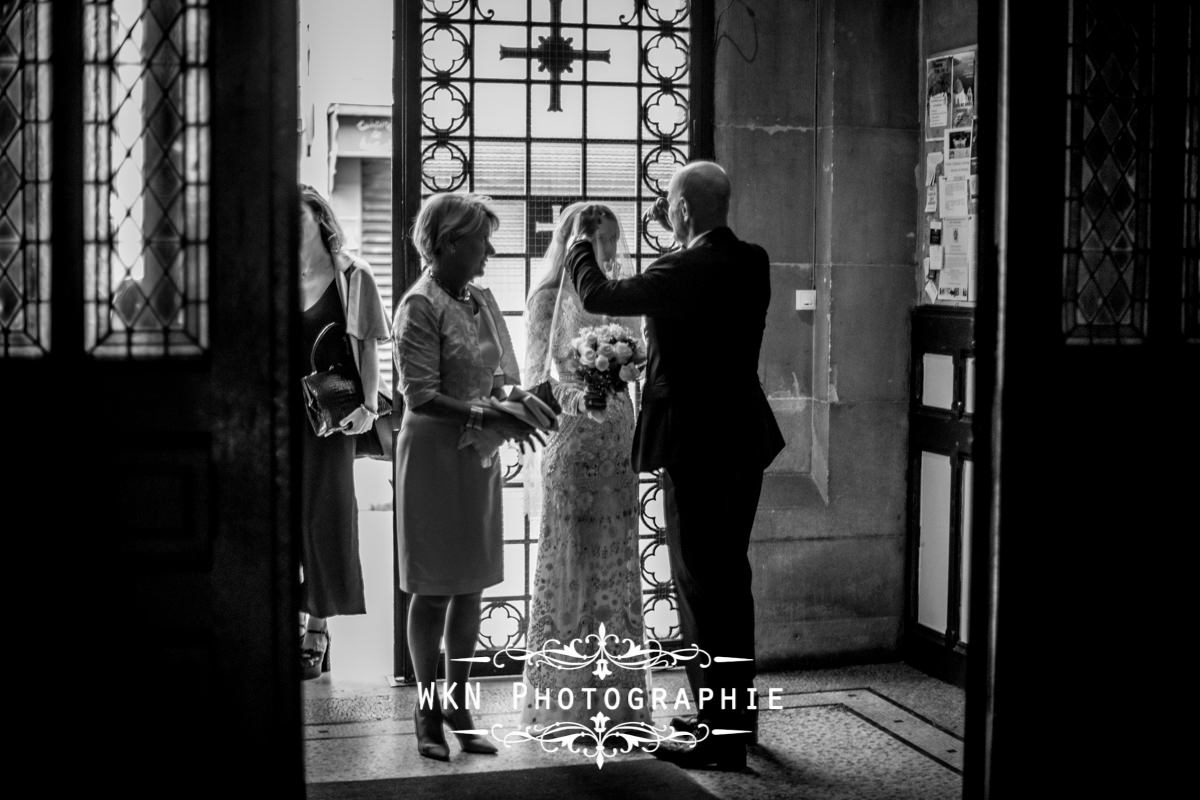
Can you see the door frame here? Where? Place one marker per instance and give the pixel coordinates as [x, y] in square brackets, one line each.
[206, 604]
[406, 202]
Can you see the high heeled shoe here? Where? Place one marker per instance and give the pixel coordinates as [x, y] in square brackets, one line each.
[470, 742]
[315, 661]
[431, 740]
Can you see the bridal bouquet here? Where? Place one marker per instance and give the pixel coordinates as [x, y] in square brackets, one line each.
[609, 358]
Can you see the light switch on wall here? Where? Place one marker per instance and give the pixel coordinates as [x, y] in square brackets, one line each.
[806, 299]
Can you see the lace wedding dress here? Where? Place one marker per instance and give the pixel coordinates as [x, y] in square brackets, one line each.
[588, 568]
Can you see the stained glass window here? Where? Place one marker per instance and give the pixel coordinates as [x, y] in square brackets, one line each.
[537, 104]
[146, 177]
[1106, 252]
[24, 179]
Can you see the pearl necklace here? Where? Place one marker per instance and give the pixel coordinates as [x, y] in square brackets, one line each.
[463, 297]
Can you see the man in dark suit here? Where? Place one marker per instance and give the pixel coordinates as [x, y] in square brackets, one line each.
[707, 423]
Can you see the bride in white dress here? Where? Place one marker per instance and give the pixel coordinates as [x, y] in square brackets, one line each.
[588, 568]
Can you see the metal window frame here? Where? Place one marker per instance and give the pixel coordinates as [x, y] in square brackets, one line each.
[408, 187]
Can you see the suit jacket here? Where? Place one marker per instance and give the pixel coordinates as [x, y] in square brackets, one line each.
[705, 310]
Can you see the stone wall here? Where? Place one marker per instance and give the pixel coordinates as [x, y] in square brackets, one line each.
[817, 115]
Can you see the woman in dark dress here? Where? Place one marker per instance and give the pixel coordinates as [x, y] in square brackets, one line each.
[334, 288]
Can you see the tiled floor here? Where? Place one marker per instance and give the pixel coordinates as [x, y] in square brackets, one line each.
[878, 731]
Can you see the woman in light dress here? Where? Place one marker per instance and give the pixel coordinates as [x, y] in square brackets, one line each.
[588, 569]
[452, 351]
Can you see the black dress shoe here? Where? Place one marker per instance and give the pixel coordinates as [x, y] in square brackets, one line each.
[729, 757]
[431, 740]
[470, 742]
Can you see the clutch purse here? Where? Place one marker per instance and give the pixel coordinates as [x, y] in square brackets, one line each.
[330, 394]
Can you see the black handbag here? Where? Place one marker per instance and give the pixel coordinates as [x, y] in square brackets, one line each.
[377, 441]
[330, 394]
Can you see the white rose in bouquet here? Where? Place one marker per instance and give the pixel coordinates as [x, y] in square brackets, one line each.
[602, 363]
[629, 373]
[623, 352]
[587, 357]
[607, 351]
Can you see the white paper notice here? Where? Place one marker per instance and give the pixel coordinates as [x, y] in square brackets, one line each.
[931, 164]
[953, 197]
[958, 239]
[931, 199]
[937, 256]
[938, 110]
[931, 291]
[958, 258]
[952, 282]
[958, 266]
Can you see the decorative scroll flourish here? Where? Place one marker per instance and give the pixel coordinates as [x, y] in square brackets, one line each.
[642, 656]
[600, 741]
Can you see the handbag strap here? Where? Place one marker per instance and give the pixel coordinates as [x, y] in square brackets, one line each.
[347, 273]
[312, 357]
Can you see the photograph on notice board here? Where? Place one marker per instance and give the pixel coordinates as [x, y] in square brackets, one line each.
[957, 165]
[963, 83]
[937, 96]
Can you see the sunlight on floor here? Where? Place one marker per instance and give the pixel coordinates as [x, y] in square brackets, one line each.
[362, 644]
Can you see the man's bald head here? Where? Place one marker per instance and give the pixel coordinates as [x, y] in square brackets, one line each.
[704, 187]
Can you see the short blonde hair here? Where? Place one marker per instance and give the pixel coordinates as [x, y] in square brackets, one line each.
[447, 217]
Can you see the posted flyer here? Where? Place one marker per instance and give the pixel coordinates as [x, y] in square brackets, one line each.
[937, 96]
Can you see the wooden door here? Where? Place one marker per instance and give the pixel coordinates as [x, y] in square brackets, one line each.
[1089, 357]
[149, 281]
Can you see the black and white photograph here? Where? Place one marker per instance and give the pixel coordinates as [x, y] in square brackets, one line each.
[532, 399]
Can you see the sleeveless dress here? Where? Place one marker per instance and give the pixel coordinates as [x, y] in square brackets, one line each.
[588, 566]
[332, 570]
[449, 526]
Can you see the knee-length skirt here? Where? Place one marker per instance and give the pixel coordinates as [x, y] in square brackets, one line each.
[449, 525]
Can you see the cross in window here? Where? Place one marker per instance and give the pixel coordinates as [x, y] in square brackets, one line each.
[555, 55]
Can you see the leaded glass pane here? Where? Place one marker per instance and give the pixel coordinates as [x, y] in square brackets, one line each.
[146, 177]
[538, 104]
[24, 179]
[1106, 249]
[556, 168]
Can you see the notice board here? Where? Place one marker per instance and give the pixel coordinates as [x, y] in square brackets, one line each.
[949, 177]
